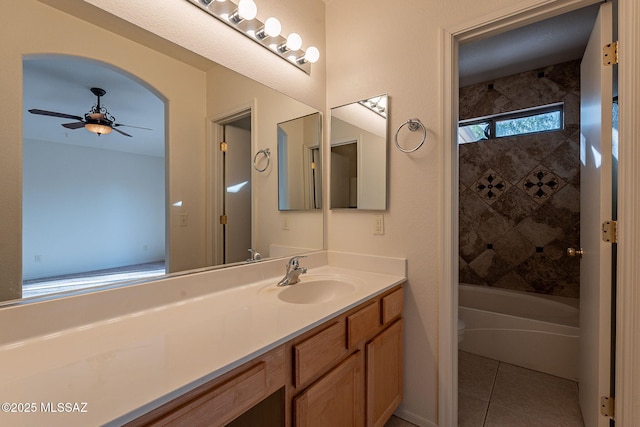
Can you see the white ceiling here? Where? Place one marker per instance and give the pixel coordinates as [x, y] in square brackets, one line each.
[62, 84]
[553, 41]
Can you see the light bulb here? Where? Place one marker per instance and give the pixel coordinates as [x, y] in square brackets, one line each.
[312, 54]
[247, 9]
[294, 41]
[272, 27]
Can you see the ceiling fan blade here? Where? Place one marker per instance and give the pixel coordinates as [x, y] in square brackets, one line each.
[123, 133]
[54, 114]
[129, 126]
[74, 125]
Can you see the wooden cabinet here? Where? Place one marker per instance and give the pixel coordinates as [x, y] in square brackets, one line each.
[346, 372]
[222, 400]
[384, 374]
[335, 399]
[342, 396]
[318, 352]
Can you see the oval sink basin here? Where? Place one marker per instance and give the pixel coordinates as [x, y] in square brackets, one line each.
[316, 291]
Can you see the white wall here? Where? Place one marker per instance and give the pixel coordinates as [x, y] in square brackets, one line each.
[395, 48]
[88, 209]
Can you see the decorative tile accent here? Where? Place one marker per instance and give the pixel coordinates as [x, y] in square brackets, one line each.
[490, 186]
[541, 183]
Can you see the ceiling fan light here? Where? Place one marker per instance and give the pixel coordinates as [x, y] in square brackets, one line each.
[98, 128]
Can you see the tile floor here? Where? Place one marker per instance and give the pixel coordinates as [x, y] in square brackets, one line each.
[496, 394]
[398, 422]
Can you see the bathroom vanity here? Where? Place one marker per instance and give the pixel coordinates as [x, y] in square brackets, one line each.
[327, 376]
[221, 347]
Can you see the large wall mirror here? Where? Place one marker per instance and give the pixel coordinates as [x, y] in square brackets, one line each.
[151, 192]
[359, 154]
[299, 156]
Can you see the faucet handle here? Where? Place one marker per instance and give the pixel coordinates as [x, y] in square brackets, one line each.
[255, 255]
[294, 261]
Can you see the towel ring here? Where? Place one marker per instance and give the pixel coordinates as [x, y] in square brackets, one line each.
[413, 125]
[266, 153]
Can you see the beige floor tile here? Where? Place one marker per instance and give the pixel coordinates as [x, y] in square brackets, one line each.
[526, 392]
[538, 376]
[471, 411]
[476, 375]
[499, 416]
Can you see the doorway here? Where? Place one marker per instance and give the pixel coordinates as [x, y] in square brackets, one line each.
[452, 276]
[232, 227]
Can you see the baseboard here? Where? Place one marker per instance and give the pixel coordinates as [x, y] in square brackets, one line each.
[413, 418]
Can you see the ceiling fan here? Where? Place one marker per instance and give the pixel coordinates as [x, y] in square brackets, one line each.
[98, 120]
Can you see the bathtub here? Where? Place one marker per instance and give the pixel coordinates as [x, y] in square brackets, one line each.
[534, 331]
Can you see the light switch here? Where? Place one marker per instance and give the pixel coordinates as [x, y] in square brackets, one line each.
[378, 224]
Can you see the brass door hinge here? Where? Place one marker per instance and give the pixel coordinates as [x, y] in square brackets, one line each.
[607, 405]
[223, 219]
[224, 147]
[610, 54]
[610, 231]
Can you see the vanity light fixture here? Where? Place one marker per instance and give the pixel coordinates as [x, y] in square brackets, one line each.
[377, 104]
[247, 10]
[311, 55]
[271, 28]
[293, 42]
[242, 18]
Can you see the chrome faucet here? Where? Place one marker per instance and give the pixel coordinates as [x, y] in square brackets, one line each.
[292, 275]
[255, 256]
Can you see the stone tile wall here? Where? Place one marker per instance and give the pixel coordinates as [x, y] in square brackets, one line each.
[520, 196]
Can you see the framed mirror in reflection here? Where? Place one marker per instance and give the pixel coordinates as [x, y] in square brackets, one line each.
[359, 155]
[299, 156]
[80, 206]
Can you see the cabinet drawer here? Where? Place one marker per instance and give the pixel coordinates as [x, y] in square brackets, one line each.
[317, 353]
[392, 306]
[224, 403]
[335, 400]
[363, 324]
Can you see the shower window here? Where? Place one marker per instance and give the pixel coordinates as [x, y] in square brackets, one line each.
[473, 132]
[533, 120]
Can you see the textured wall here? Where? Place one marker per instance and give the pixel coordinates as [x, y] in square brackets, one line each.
[520, 196]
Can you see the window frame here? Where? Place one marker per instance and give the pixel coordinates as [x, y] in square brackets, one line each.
[511, 115]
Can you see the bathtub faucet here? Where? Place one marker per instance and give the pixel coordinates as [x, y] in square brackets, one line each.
[292, 275]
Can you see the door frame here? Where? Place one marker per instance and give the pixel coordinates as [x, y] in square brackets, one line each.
[628, 320]
[215, 135]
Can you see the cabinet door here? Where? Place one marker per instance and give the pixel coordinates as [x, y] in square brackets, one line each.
[384, 374]
[335, 400]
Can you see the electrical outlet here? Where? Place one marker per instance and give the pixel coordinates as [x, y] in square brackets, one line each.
[378, 224]
[285, 222]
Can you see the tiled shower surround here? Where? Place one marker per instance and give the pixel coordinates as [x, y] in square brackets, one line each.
[520, 196]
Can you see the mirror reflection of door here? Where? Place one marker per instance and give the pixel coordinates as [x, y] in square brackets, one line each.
[316, 178]
[299, 163]
[237, 190]
[344, 175]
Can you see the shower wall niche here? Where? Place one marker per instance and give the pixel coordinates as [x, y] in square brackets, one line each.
[520, 196]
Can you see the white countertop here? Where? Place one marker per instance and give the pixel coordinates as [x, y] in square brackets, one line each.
[119, 368]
